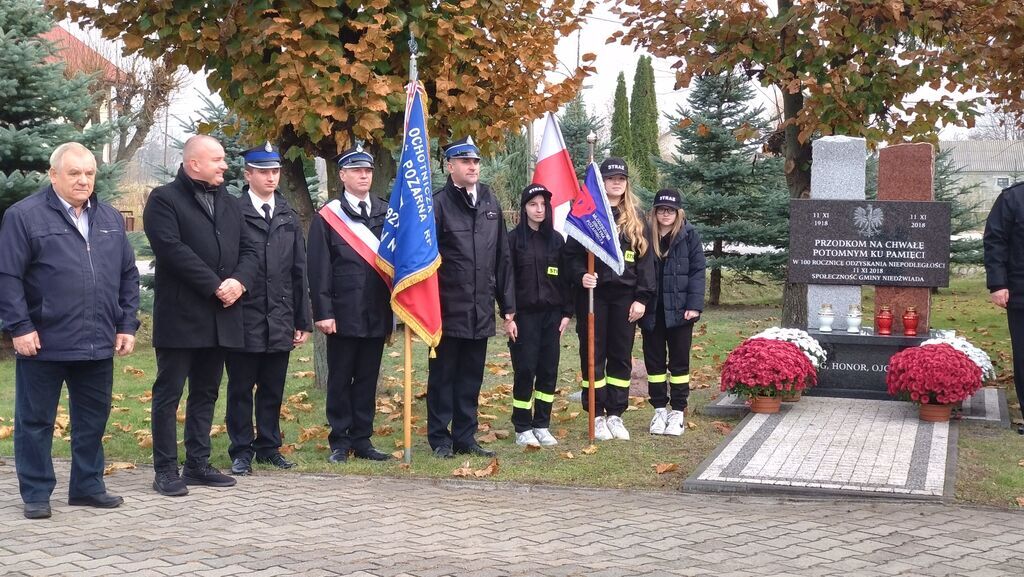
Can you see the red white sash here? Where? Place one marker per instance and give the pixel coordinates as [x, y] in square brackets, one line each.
[356, 234]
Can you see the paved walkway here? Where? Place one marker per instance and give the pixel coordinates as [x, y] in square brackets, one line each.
[294, 524]
[841, 446]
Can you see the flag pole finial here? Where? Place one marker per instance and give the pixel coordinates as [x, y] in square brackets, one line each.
[413, 49]
[591, 143]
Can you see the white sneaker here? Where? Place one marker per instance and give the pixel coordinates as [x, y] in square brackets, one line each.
[617, 429]
[658, 422]
[675, 423]
[527, 438]
[544, 437]
[601, 432]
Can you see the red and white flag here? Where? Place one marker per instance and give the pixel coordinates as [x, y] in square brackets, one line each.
[555, 171]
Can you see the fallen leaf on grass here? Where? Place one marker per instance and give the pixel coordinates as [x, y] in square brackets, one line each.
[464, 471]
[322, 447]
[501, 433]
[145, 397]
[144, 438]
[724, 428]
[304, 407]
[290, 448]
[130, 370]
[310, 433]
[304, 374]
[117, 466]
[399, 443]
[691, 425]
[180, 416]
[304, 359]
[106, 438]
[116, 409]
[568, 455]
[383, 430]
[488, 417]
[217, 430]
[286, 413]
[394, 354]
[299, 397]
[6, 431]
[662, 468]
[488, 438]
[398, 454]
[1020, 502]
[490, 469]
[590, 450]
[114, 397]
[531, 448]
[422, 430]
[561, 433]
[125, 428]
[483, 427]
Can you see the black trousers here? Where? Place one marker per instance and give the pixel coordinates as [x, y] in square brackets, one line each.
[1015, 318]
[613, 352]
[37, 387]
[676, 342]
[267, 373]
[203, 368]
[453, 391]
[535, 362]
[353, 366]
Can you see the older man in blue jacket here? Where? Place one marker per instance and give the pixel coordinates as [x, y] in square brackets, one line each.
[69, 294]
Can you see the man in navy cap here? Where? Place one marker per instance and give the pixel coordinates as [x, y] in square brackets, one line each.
[275, 313]
[475, 270]
[351, 304]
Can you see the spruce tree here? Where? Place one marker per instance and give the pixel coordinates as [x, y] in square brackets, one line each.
[643, 117]
[41, 108]
[737, 200]
[576, 123]
[622, 140]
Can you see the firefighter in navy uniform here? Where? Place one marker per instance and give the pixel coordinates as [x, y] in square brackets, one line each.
[352, 306]
[275, 312]
[543, 310]
[475, 270]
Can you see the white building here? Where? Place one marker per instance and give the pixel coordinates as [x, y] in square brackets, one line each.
[991, 164]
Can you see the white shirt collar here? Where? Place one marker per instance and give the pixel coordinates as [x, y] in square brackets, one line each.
[258, 202]
[69, 209]
[353, 201]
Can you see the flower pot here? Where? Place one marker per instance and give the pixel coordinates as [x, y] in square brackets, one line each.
[767, 405]
[790, 396]
[933, 413]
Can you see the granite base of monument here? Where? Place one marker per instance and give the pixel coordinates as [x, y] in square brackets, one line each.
[857, 363]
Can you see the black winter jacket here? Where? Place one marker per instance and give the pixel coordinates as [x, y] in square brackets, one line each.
[1004, 244]
[475, 265]
[637, 281]
[277, 303]
[194, 254]
[76, 294]
[342, 285]
[681, 281]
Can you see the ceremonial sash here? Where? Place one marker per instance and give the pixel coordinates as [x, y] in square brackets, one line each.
[356, 234]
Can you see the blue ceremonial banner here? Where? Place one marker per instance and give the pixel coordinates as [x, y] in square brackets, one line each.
[590, 221]
[408, 243]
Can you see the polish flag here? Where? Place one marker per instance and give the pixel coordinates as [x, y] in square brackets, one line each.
[555, 171]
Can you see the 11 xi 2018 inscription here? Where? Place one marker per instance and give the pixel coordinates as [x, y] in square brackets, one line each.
[899, 243]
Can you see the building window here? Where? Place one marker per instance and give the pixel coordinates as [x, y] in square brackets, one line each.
[1003, 181]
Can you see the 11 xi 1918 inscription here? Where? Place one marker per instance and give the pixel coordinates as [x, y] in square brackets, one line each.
[869, 242]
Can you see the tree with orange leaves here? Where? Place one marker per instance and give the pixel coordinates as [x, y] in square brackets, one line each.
[318, 75]
[853, 67]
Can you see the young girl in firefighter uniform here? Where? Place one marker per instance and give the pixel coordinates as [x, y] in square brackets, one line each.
[619, 302]
[667, 325]
[543, 310]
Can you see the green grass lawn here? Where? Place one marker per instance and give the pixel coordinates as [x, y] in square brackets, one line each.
[988, 468]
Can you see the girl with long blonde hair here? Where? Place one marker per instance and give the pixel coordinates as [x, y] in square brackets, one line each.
[619, 302]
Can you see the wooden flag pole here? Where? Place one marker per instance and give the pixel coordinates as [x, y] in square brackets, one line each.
[407, 404]
[591, 409]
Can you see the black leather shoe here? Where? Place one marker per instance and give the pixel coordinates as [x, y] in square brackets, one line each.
[37, 510]
[204, 474]
[338, 456]
[242, 466]
[475, 449]
[169, 484]
[277, 460]
[372, 454]
[443, 452]
[101, 500]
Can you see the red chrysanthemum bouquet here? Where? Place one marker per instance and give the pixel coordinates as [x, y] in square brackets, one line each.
[767, 367]
[933, 374]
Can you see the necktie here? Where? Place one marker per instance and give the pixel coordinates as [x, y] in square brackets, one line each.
[362, 211]
[266, 213]
[472, 199]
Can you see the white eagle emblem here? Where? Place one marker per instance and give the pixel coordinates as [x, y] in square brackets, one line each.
[868, 220]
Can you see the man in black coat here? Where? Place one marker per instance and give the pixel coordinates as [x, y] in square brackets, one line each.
[275, 311]
[202, 268]
[1004, 272]
[475, 270]
[69, 293]
[351, 305]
